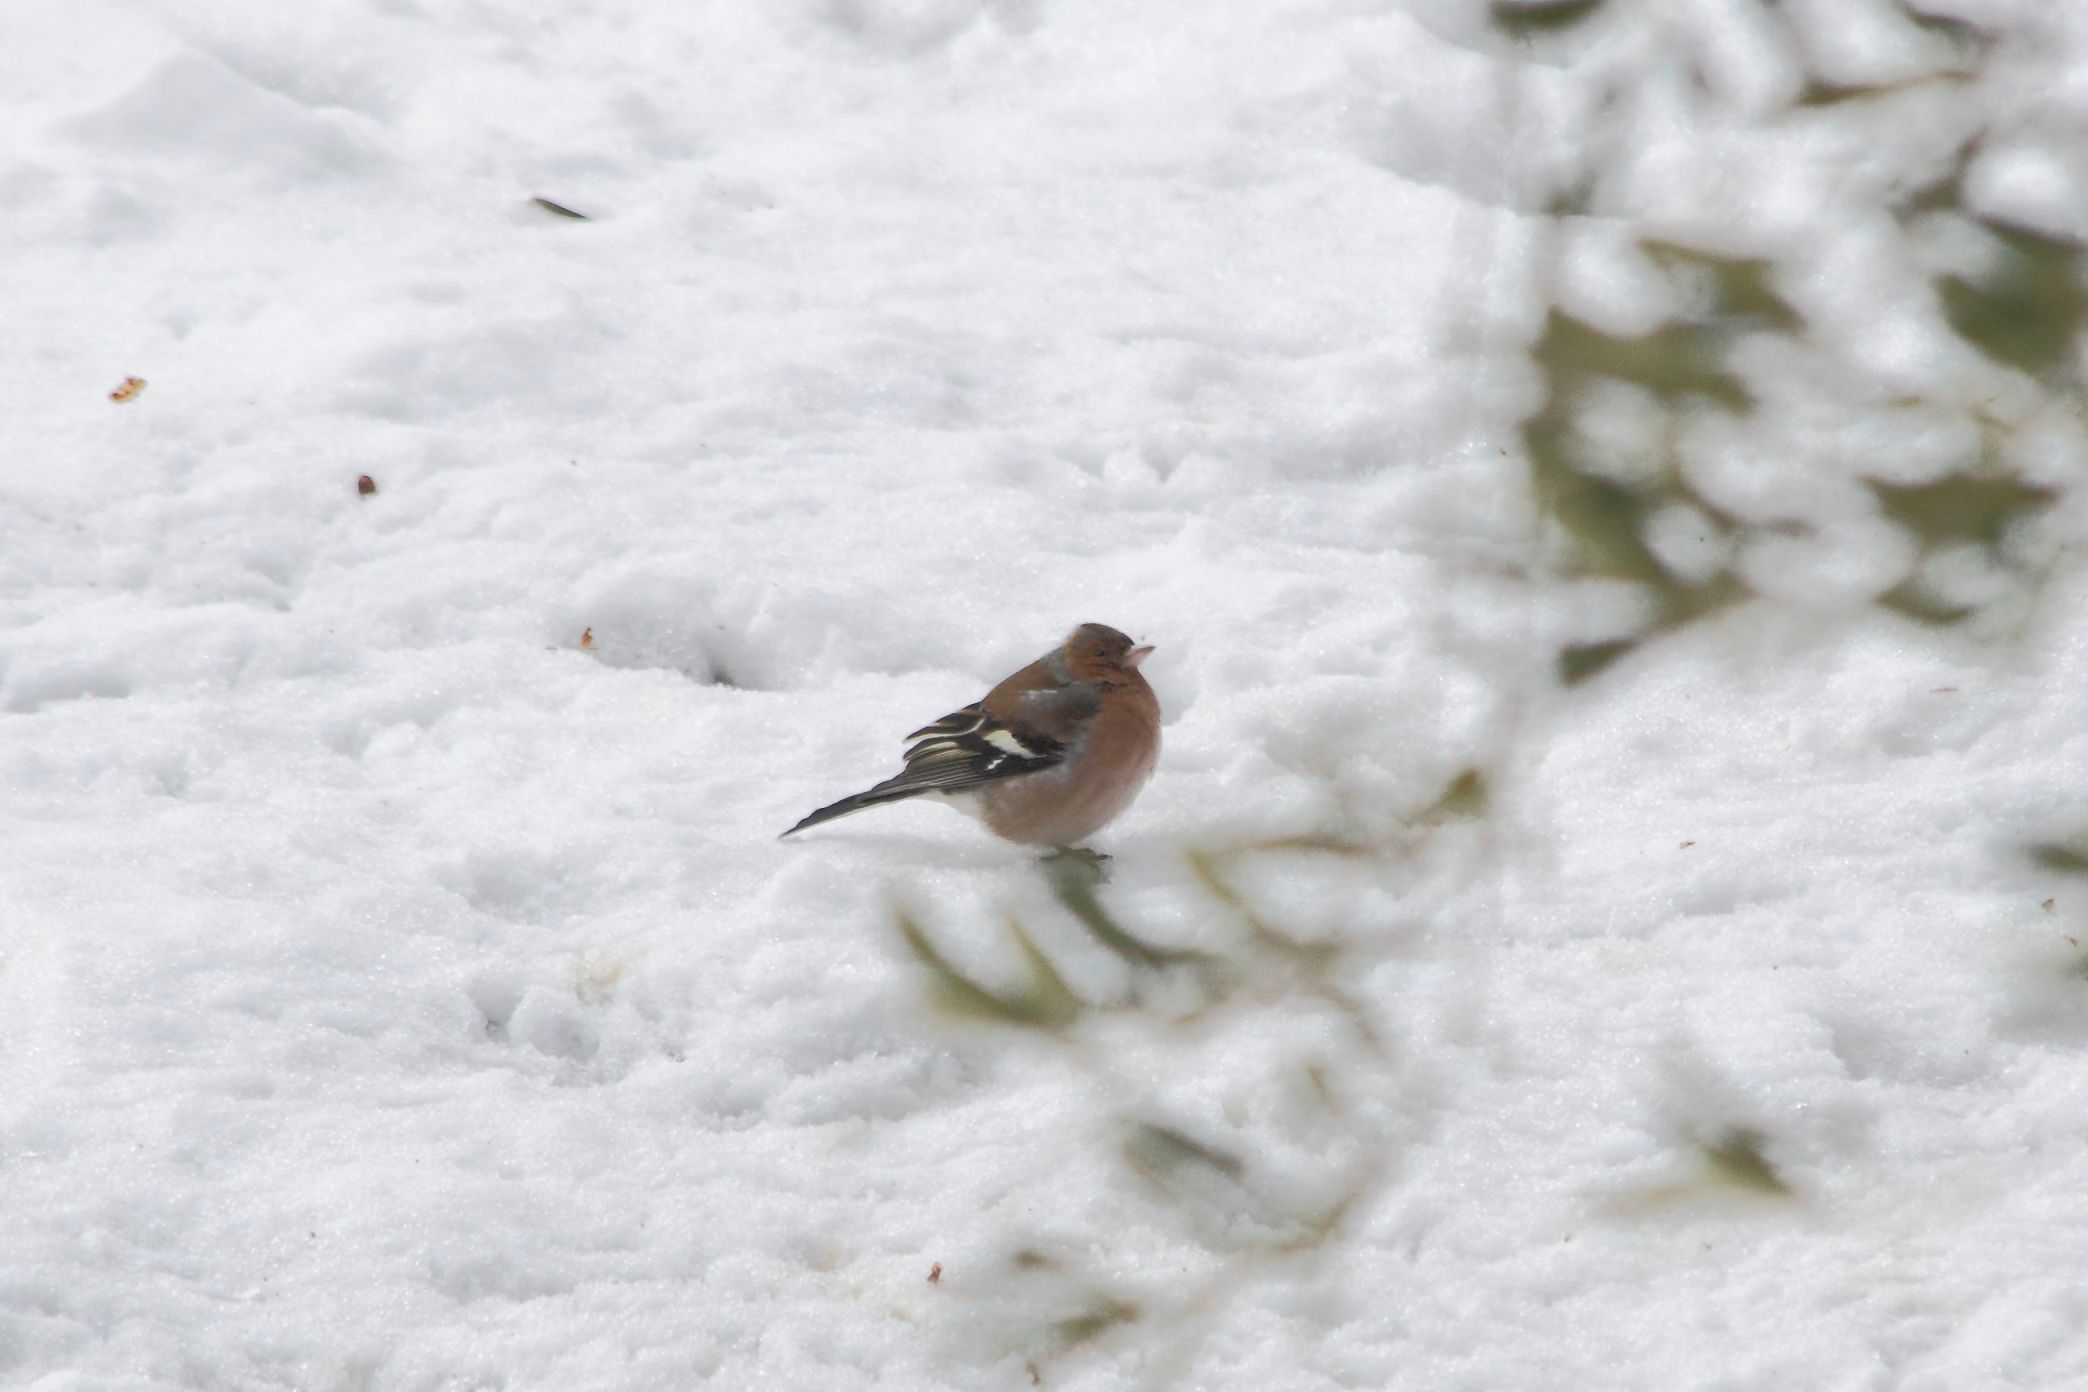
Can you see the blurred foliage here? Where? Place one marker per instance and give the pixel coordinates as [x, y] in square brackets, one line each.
[1962, 507]
[1529, 19]
[2028, 312]
[2070, 858]
[1190, 1173]
[1971, 41]
[1043, 1000]
[1073, 883]
[1605, 521]
[1465, 798]
[2025, 310]
[1120, 995]
[1736, 1158]
[1216, 1191]
[1105, 1314]
[1724, 1165]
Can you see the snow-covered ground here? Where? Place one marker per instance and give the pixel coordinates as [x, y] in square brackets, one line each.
[401, 983]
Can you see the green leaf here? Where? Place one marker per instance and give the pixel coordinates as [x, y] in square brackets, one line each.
[1464, 797]
[1912, 599]
[1819, 93]
[1580, 661]
[1103, 1315]
[1162, 1153]
[1741, 284]
[1604, 519]
[1533, 19]
[1961, 507]
[2028, 313]
[1673, 361]
[1968, 38]
[1944, 192]
[2058, 855]
[1737, 1158]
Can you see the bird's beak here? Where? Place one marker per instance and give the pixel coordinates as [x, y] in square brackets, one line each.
[1138, 655]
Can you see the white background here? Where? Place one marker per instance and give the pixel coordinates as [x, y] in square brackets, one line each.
[395, 995]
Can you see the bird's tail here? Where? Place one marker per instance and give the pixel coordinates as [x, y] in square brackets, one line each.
[856, 802]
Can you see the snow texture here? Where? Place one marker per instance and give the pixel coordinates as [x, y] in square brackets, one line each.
[402, 985]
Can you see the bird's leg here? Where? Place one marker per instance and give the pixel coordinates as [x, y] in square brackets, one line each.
[1078, 862]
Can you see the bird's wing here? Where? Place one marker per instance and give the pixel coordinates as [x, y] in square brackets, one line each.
[966, 749]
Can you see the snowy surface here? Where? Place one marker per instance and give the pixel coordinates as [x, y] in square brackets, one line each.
[397, 992]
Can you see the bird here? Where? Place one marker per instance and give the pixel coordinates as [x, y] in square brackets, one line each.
[1048, 757]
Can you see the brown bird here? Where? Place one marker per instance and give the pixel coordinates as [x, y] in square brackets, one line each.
[1050, 756]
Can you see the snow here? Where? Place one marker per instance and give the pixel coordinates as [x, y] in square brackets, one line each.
[402, 985]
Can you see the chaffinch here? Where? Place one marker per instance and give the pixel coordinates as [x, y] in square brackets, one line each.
[1050, 756]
